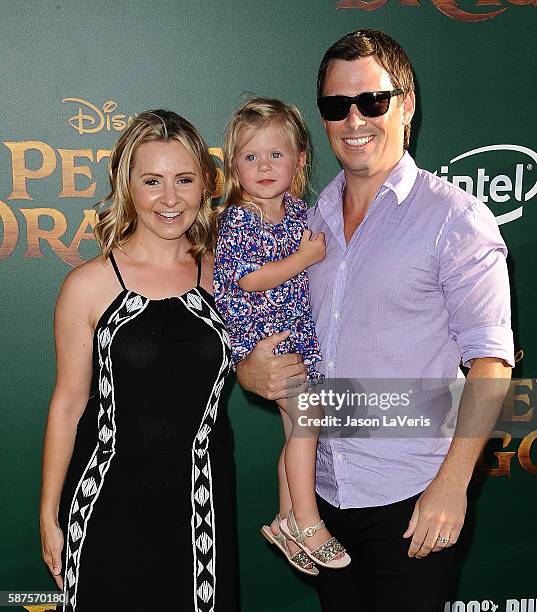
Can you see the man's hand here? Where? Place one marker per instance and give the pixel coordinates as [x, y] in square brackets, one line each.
[441, 508]
[439, 512]
[272, 376]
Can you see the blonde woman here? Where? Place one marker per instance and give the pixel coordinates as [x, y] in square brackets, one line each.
[138, 468]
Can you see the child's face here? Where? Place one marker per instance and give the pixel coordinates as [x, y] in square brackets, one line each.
[266, 164]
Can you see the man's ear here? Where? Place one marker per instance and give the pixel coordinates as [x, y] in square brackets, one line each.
[409, 106]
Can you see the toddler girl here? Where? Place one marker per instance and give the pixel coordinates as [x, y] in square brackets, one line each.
[261, 288]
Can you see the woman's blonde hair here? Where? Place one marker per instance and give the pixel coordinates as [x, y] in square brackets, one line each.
[117, 221]
[259, 113]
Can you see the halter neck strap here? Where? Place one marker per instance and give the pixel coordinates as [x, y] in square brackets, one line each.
[199, 272]
[116, 270]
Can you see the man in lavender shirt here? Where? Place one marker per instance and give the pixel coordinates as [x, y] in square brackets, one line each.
[414, 283]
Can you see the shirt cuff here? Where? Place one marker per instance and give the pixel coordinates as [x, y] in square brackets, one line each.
[491, 341]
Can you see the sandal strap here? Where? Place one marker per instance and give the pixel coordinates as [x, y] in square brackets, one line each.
[301, 559]
[279, 537]
[309, 531]
[328, 550]
[301, 535]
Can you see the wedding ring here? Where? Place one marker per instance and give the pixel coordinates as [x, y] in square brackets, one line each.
[442, 540]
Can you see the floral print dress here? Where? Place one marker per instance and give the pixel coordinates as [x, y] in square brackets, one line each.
[245, 243]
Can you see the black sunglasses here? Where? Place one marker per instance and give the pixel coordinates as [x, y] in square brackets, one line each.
[369, 103]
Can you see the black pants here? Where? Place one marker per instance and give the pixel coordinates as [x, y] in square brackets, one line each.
[381, 577]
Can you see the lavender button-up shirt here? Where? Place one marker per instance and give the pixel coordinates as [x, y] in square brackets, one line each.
[421, 286]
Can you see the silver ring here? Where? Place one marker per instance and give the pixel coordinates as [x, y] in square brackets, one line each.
[442, 540]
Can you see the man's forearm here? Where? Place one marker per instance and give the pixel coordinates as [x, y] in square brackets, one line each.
[244, 376]
[486, 385]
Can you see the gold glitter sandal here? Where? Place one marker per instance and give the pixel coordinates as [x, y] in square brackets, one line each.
[325, 554]
[299, 560]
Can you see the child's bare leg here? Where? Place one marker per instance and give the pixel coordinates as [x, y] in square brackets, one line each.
[285, 497]
[283, 488]
[300, 457]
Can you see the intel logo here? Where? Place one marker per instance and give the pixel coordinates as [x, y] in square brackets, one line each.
[500, 188]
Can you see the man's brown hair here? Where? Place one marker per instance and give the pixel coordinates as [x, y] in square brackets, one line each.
[366, 42]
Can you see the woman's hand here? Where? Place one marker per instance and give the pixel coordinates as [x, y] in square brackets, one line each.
[51, 545]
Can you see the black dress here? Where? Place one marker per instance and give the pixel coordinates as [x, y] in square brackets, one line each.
[147, 507]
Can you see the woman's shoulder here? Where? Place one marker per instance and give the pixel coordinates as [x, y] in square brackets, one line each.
[207, 261]
[89, 284]
[89, 274]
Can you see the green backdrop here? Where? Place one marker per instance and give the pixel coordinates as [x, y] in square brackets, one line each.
[476, 96]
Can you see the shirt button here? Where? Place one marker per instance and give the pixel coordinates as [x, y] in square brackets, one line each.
[342, 265]
[339, 456]
[331, 364]
[336, 315]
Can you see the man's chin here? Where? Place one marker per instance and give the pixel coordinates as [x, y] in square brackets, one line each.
[358, 164]
[356, 168]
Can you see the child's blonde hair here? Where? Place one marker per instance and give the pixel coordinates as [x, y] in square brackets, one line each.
[260, 113]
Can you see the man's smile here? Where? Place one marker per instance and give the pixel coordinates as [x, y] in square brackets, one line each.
[358, 142]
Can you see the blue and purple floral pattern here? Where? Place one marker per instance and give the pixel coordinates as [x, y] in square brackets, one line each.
[245, 243]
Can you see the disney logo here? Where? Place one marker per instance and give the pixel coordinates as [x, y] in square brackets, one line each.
[90, 119]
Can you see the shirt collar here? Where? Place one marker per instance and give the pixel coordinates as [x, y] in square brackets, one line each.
[402, 178]
[400, 181]
[331, 195]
